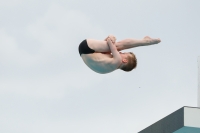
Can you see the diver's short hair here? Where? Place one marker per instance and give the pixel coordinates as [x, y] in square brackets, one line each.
[131, 63]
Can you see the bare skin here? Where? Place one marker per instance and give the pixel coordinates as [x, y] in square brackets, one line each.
[103, 62]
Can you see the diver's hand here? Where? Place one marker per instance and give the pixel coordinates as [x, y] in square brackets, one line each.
[112, 38]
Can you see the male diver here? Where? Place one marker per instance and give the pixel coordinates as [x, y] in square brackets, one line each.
[103, 56]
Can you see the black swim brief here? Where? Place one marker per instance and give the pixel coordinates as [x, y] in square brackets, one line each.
[84, 49]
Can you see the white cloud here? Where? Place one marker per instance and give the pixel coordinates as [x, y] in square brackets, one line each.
[11, 54]
[10, 3]
[60, 30]
[40, 124]
[58, 34]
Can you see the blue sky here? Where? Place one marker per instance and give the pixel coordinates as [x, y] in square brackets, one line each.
[46, 87]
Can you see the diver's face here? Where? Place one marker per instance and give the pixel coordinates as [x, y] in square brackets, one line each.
[124, 56]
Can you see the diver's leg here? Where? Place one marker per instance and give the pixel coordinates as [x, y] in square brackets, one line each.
[131, 43]
[98, 45]
[102, 46]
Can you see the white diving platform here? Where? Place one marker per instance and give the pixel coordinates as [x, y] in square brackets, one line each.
[184, 120]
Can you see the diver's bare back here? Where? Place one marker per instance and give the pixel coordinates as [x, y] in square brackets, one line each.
[99, 62]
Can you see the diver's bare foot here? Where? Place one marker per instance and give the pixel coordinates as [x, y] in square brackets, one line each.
[151, 41]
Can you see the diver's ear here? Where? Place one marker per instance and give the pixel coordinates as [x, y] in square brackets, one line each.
[124, 60]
